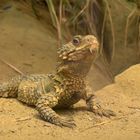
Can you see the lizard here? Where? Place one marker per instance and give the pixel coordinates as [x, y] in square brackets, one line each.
[63, 88]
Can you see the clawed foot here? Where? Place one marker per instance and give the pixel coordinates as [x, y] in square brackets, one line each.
[104, 112]
[94, 107]
[61, 121]
[97, 110]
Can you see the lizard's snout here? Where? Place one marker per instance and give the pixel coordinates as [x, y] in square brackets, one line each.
[92, 43]
[94, 47]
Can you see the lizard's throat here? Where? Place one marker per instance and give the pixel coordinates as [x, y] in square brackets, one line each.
[74, 69]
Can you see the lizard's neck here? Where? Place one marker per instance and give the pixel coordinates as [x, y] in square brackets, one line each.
[67, 75]
[75, 69]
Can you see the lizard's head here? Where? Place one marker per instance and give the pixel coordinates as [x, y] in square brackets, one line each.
[80, 47]
[77, 56]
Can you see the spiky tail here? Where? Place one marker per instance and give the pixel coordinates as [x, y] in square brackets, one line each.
[10, 88]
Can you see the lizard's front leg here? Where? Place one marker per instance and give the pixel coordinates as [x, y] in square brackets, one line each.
[94, 107]
[45, 104]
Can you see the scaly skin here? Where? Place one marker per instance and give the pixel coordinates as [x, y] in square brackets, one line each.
[63, 88]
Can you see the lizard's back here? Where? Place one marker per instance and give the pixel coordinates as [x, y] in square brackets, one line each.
[32, 86]
[26, 88]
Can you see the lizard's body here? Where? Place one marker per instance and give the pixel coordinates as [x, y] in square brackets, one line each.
[63, 88]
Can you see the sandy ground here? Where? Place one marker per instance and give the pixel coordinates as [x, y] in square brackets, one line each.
[31, 48]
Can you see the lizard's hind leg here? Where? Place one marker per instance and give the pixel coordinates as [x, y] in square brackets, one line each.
[10, 88]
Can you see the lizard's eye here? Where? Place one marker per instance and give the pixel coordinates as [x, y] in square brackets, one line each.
[76, 41]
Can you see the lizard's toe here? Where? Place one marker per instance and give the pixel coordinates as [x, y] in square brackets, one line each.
[65, 122]
[108, 113]
[103, 112]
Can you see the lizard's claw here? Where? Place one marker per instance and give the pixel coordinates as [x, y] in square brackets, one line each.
[61, 121]
[97, 110]
[104, 112]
